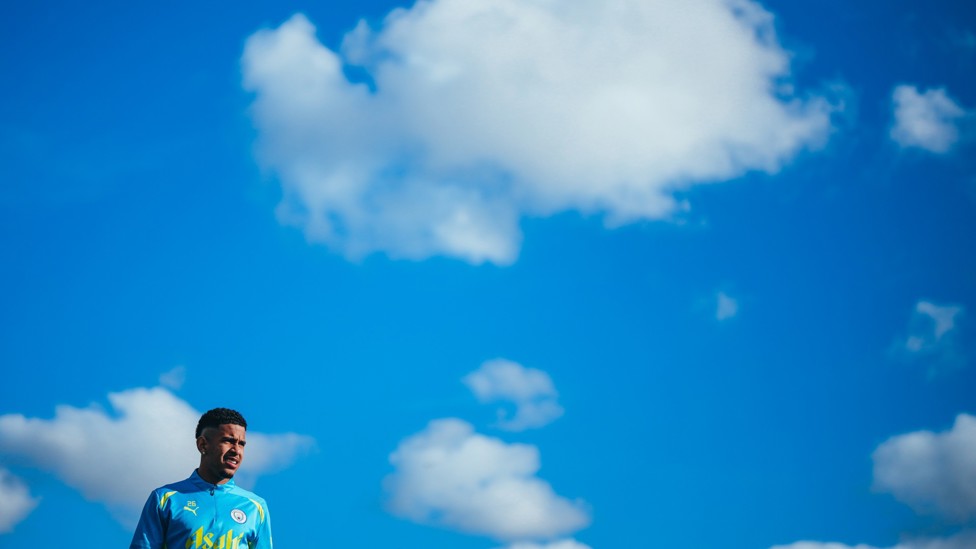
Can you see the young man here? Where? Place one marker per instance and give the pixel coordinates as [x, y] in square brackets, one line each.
[207, 510]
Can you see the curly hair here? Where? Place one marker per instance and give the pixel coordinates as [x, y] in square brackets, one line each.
[220, 416]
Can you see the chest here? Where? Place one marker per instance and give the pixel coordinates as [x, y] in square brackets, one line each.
[203, 520]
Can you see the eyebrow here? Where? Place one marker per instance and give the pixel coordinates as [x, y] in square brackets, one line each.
[232, 439]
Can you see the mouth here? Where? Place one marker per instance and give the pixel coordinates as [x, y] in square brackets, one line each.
[232, 462]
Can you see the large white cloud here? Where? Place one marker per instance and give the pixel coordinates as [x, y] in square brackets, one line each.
[474, 113]
[931, 472]
[15, 501]
[117, 458]
[925, 120]
[450, 476]
[531, 390]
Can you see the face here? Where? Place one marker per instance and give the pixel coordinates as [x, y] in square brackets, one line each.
[221, 452]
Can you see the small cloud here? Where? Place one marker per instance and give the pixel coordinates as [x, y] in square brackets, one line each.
[821, 545]
[925, 120]
[562, 544]
[931, 472]
[103, 455]
[962, 540]
[965, 539]
[944, 318]
[531, 390]
[450, 476]
[932, 336]
[174, 378]
[726, 307]
[15, 501]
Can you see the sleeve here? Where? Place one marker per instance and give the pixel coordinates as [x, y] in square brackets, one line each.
[262, 537]
[150, 532]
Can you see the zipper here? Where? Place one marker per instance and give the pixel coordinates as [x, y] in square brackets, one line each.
[213, 520]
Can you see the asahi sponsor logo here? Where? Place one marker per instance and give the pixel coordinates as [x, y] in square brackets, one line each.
[206, 540]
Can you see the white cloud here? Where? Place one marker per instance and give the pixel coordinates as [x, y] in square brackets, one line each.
[531, 390]
[450, 476]
[932, 334]
[174, 378]
[726, 307]
[925, 120]
[562, 544]
[931, 472]
[15, 501]
[943, 318]
[117, 458]
[964, 540]
[478, 112]
[821, 545]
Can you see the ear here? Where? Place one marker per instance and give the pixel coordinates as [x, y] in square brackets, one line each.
[202, 444]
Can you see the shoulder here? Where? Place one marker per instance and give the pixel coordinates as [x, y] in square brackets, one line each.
[238, 491]
[164, 492]
[185, 485]
[258, 503]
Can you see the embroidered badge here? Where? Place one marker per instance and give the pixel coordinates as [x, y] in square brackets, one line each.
[238, 516]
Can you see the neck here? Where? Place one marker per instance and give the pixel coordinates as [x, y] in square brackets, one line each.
[209, 478]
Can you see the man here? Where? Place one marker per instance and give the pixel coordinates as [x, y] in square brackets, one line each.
[207, 510]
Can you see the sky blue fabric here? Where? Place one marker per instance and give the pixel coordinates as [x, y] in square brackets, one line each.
[195, 513]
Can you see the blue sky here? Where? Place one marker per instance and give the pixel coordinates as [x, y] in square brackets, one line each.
[495, 274]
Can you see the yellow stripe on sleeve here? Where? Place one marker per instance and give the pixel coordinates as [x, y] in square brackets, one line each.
[260, 509]
[165, 497]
